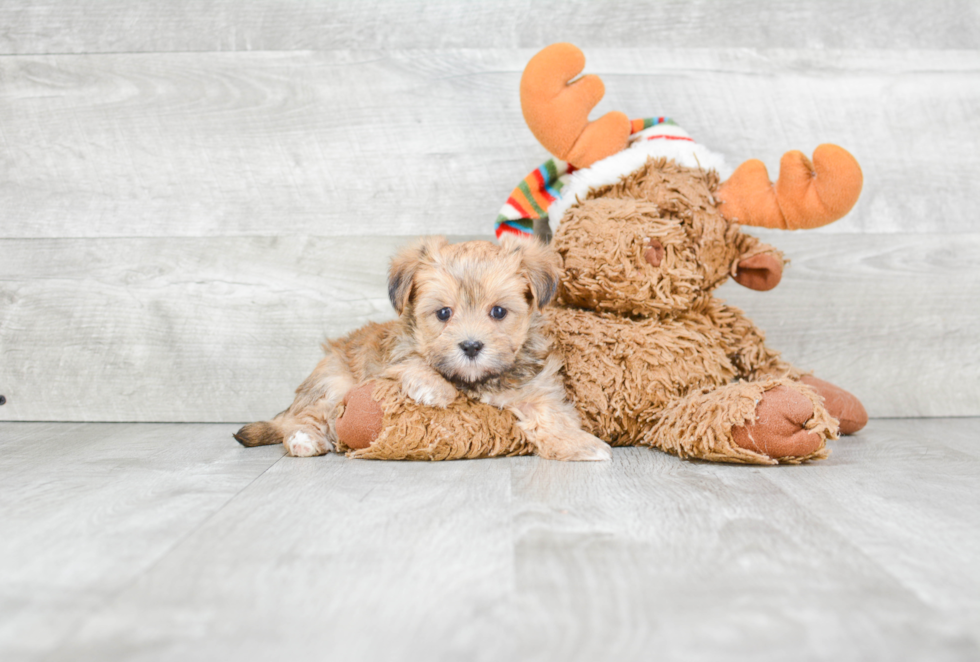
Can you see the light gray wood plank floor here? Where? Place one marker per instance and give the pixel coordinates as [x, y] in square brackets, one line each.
[163, 542]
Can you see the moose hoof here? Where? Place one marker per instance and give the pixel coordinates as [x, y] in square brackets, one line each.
[778, 430]
[843, 406]
[360, 424]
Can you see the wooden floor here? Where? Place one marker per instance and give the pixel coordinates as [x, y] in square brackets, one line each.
[171, 542]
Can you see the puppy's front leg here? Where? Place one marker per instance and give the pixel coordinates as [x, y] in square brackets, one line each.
[552, 426]
[423, 384]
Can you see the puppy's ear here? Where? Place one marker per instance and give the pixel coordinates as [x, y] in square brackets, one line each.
[540, 265]
[404, 266]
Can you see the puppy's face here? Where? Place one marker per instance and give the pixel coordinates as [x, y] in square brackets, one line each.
[471, 307]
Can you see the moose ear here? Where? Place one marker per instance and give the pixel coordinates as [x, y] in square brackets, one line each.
[404, 266]
[540, 265]
[761, 271]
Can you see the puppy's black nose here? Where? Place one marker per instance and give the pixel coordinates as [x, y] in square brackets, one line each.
[471, 347]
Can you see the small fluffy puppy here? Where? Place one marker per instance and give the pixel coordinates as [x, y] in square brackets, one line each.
[469, 322]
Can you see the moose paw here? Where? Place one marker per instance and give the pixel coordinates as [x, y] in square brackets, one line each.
[360, 424]
[779, 429]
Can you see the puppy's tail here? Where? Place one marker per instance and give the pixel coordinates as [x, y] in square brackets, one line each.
[262, 433]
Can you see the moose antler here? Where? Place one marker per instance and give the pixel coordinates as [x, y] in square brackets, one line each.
[806, 195]
[557, 111]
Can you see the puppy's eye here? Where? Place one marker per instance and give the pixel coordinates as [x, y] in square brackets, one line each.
[444, 314]
[498, 313]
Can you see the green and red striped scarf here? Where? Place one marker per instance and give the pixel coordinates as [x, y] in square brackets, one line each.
[536, 192]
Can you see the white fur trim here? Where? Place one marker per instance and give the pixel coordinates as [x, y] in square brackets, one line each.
[613, 168]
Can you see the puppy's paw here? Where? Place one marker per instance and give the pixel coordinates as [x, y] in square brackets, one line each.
[306, 444]
[578, 446]
[435, 392]
[600, 452]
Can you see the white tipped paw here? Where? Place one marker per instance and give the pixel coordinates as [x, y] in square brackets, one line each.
[432, 393]
[302, 444]
[578, 447]
[600, 452]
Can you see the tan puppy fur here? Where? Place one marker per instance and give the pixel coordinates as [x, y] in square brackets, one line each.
[469, 325]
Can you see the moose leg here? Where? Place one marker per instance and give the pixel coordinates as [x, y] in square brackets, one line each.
[754, 361]
[766, 422]
[378, 421]
[746, 346]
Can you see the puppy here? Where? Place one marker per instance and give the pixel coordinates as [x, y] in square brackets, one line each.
[469, 324]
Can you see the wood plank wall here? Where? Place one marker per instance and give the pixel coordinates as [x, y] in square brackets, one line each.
[193, 194]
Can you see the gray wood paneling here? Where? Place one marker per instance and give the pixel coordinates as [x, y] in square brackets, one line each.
[164, 542]
[73, 26]
[215, 329]
[223, 329]
[328, 123]
[893, 318]
[432, 141]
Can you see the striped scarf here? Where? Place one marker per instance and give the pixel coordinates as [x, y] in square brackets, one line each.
[531, 198]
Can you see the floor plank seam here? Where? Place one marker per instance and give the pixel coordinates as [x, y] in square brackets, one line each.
[166, 553]
[854, 548]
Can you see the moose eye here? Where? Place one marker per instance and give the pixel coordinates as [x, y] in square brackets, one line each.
[498, 313]
[444, 314]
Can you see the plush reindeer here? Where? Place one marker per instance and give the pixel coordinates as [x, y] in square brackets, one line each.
[646, 233]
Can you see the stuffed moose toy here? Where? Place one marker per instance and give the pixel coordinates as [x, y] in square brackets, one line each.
[646, 232]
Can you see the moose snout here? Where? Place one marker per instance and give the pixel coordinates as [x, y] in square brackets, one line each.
[471, 347]
[654, 253]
